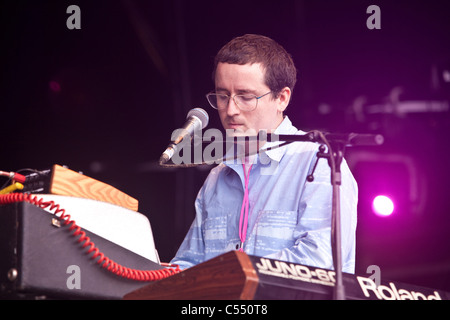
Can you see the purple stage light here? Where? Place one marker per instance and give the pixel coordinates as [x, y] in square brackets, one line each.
[382, 206]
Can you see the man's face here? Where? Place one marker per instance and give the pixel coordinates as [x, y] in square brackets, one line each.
[232, 79]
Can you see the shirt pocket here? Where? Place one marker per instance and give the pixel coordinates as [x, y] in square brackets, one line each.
[215, 228]
[274, 229]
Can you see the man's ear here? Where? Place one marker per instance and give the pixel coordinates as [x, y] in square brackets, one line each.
[283, 99]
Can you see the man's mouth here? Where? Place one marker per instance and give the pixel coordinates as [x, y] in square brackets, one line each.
[234, 125]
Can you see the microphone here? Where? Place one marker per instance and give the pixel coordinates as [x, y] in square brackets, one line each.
[197, 119]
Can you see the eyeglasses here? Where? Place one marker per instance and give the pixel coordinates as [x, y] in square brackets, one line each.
[245, 102]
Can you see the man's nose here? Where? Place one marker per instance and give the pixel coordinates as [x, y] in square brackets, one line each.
[232, 108]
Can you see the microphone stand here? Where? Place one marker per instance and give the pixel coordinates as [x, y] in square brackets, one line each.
[336, 144]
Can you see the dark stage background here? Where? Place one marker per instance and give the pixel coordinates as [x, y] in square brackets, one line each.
[105, 99]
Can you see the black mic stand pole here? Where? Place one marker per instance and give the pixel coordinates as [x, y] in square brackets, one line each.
[337, 150]
[335, 155]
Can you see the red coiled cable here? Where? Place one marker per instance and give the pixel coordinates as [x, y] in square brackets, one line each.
[85, 241]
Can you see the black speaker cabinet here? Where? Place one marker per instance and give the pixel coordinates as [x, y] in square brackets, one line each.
[40, 259]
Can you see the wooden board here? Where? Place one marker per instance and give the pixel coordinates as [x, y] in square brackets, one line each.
[67, 182]
[228, 277]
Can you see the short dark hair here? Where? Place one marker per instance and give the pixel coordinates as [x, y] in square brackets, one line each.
[280, 71]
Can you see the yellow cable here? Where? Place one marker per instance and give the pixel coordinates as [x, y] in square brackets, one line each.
[11, 188]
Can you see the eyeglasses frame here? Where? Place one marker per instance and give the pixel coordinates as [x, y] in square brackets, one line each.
[229, 97]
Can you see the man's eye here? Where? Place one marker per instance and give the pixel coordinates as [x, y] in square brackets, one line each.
[246, 98]
[222, 97]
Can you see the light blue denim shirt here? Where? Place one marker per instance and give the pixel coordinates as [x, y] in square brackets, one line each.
[289, 217]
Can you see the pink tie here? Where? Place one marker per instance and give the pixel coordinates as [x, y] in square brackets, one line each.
[243, 221]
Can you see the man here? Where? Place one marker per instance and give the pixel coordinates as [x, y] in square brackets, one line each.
[245, 206]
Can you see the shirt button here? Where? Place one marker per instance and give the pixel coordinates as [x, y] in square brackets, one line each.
[237, 246]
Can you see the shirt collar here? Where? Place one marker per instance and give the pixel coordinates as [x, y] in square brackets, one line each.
[277, 153]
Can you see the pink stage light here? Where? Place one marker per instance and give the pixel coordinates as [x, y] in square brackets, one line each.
[382, 206]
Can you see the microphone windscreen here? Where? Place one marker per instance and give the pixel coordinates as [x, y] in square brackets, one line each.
[201, 114]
